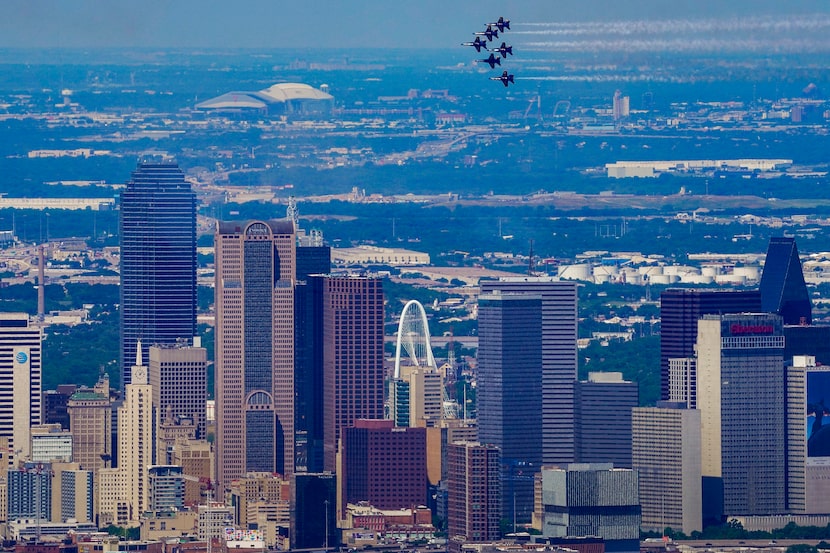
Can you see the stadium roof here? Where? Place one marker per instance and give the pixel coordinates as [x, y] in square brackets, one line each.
[280, 93]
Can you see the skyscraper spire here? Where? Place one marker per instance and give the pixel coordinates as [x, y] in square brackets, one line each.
[139, 371]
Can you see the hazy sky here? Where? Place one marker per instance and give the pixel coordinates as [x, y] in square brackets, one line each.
[332, 23]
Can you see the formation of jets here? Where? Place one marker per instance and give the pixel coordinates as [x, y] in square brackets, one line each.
[497, 53]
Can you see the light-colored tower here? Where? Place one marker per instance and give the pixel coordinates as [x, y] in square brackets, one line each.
[741, 394]
[425, 397]
[135, 438]
[665, 450]
[255, 277]
[20, 381]
[73, 494]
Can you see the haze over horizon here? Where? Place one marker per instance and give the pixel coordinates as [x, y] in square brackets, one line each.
[396, 24]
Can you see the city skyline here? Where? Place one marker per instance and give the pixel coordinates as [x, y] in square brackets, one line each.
[427, 184]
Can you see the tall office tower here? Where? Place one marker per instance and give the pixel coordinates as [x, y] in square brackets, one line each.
[559, 359]
[796, 445]
[473, 492]
[603, 418]
[592, 500]
[783, 290]
[352, 355]
[665, 451]
[158, 259]
[741, 397]
[136, 448]
[313, 509]
[384, 465]
[54, 405]
[20, 381]
[178, 375]
[254, 348]
[90, 416]
[680, 309]
[510, 392]
[308, 356]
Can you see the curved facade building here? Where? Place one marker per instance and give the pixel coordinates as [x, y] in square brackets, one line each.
[157, 227]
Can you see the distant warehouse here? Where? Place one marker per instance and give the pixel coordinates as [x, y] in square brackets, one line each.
[373, 255]
[279, 99]
[651, 169]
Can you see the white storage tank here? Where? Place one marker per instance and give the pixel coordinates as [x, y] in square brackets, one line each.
[750, 272]
[575, 272]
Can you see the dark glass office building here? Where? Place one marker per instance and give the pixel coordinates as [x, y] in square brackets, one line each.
[308, 356]
[510, 392]
[158, 259]
[681, 308]
[313, 511]
[783, 290]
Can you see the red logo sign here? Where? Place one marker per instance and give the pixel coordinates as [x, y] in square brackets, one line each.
[751, 329]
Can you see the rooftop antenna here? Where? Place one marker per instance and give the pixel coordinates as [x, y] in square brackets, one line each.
[531, 270]
[291, 212]
[41, 281]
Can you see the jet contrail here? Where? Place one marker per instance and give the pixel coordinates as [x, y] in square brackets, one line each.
[815, 22]
[752, 34]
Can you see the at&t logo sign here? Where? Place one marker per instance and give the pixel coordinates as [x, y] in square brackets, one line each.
[21, 357]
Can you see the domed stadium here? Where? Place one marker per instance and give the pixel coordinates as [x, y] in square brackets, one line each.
[278, 99]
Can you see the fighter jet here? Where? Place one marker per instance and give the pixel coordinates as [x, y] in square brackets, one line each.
[501, 24]
[490, 33]
[478, 44]
[504, 49]
[492, 60]
[505, 79]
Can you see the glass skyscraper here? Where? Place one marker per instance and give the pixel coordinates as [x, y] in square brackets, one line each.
[510, 398]
[158, 259]
[255, 276]
[783, 289]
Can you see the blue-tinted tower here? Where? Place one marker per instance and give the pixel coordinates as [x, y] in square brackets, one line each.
[157, 228]
[783, 290]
